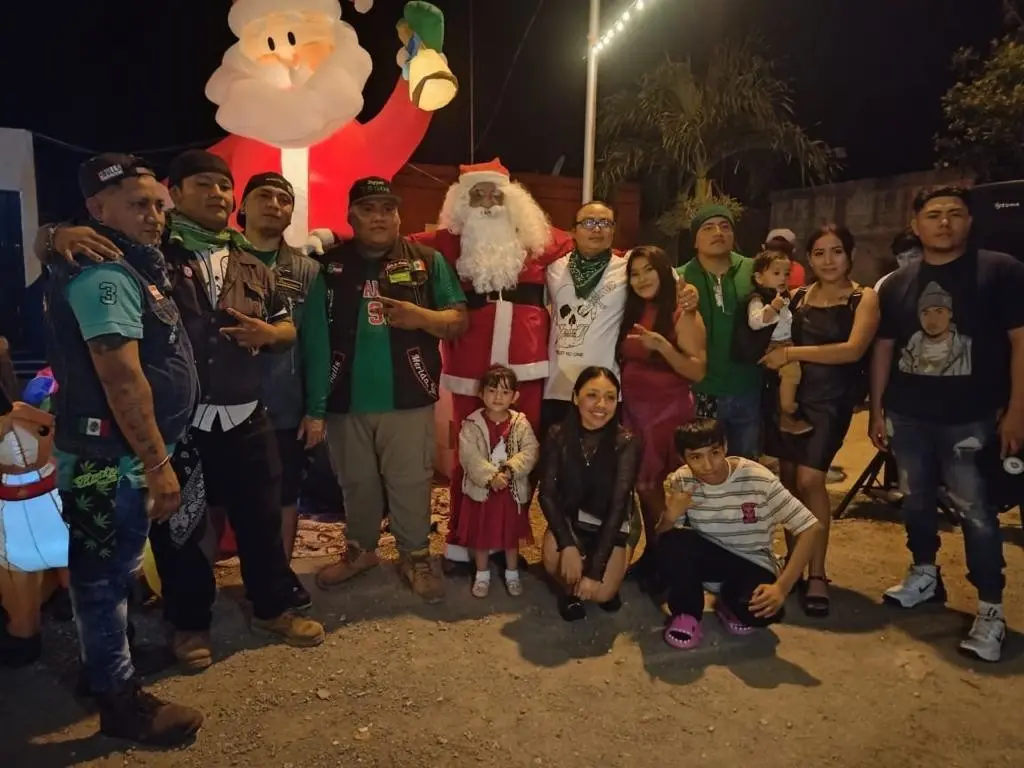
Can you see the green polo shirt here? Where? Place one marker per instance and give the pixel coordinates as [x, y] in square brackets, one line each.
[719, 307]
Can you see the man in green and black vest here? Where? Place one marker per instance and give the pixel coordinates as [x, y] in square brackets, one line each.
[389, 301]
[295, 381]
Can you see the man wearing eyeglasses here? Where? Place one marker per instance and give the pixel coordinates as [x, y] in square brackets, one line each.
[587, 291]
[730, 391]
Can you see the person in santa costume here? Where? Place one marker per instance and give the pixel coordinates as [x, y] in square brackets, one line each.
[500, 242]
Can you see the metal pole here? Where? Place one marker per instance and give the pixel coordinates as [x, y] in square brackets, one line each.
[590, 134]
[472, 89]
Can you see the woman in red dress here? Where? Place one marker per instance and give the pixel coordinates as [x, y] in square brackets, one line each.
[661, 351]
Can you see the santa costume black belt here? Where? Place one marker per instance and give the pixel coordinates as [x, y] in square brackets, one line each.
[529, 294]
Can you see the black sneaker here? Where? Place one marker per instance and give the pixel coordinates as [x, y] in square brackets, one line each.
[135, 715]
[571, 608]
[300, 599]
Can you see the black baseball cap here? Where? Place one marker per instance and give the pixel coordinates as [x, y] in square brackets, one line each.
[269, 179]
[192, 162]
[102, 171]
[372, 188]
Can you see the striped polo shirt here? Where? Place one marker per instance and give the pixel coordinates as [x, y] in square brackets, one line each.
[740, 514]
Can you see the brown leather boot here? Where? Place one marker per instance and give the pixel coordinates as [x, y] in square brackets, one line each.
[133, 714]
[353, 562]
[193, 650]
[423, 574]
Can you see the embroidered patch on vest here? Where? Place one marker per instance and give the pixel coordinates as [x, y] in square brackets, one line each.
[334, 268]
[155, 292]
[337, 360]
[419, 370]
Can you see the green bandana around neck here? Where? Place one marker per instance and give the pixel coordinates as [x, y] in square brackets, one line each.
[586, 273]
[193, 237]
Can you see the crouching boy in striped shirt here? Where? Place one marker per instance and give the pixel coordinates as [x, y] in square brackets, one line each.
[717, 527]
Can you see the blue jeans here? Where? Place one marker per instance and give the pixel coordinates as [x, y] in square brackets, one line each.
[740, 416]
[99, 591]
[932, 455]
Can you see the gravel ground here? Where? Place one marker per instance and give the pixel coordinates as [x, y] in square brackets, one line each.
[504, 682]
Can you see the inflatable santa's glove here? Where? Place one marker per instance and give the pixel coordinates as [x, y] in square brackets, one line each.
[319, 240]
[431, 83]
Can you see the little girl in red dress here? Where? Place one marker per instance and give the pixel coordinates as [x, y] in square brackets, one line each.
[497, 451]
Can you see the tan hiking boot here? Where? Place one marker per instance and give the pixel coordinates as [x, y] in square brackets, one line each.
[353, 563]
[423, 574]
[794, 426]
[291, 627]
[193, 650]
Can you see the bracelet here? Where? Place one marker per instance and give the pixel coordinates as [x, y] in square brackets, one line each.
[158, 465]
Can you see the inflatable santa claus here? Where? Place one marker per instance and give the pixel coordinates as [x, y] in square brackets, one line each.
[290, 89]
[500, 242]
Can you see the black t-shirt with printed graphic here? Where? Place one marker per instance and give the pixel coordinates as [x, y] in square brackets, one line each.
[951, 361]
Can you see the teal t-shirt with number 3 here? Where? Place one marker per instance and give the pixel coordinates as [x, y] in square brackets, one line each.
[106, 301]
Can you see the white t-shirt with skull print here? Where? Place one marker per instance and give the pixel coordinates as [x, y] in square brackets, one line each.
[583, 331]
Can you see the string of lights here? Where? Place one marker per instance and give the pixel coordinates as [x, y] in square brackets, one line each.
[635, 9]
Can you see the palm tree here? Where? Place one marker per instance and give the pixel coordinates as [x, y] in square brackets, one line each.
[687, 134]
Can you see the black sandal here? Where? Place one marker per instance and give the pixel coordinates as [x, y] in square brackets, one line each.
[815, 606]
[571, 608]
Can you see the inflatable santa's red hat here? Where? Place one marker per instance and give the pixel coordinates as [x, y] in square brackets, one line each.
[493, 172]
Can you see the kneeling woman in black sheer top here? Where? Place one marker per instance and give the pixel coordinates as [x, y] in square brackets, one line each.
[588, 470]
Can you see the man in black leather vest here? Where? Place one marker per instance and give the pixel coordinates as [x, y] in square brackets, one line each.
[389, 301]
[127, 389]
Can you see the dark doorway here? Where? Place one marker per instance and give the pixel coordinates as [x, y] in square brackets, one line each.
[12, 268]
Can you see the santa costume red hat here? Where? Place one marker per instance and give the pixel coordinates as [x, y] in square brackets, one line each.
[493, 172]
[244, 12]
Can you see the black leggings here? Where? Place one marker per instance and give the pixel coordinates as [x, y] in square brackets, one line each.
[688, 560]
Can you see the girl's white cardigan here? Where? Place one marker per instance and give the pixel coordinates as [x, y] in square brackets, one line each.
[475, 456]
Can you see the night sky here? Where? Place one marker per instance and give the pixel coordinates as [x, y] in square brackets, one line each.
[868, 74]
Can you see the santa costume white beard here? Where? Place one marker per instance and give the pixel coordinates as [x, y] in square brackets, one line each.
[491, 256]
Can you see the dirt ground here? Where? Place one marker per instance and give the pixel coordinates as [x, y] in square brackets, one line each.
[504, 682]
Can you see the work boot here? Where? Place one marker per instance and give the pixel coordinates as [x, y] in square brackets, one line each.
[133, 714]
[291, 627]
[354, 562]
[423, 574]
[192, 650]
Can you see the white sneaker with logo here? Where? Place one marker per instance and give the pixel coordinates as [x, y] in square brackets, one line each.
[922, 584]
[985, 640]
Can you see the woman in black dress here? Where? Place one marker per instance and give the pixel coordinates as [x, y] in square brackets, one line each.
[834, 322]
[588, 471]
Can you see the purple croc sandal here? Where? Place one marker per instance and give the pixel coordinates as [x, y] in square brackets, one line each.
[732, 624]
[683, 632]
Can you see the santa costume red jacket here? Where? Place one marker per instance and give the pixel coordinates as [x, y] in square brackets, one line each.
[509, 326]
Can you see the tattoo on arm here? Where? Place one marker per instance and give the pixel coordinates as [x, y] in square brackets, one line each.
[119, 368]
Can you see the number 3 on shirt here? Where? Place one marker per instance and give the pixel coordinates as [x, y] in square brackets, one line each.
[375, 312]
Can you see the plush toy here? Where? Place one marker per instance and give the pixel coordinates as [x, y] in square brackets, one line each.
[289, 92]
